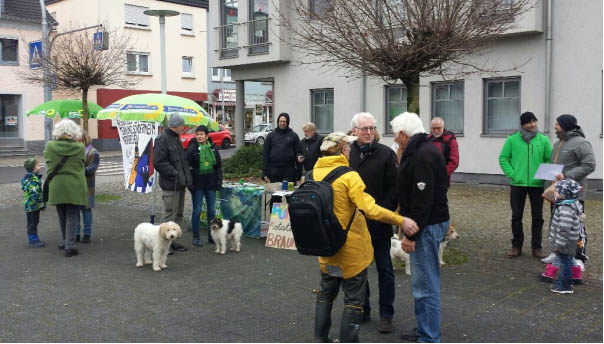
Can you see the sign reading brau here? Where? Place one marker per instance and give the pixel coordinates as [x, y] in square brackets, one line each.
[279, 229]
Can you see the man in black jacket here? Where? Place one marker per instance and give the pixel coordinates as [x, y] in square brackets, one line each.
[422, 192]
[282, 151]
[311, 144]
[376, 164]
[170, 162]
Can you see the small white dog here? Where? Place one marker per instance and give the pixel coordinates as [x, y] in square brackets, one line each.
[397, 254]
[223, 231]
[451, 235]
[153, 240]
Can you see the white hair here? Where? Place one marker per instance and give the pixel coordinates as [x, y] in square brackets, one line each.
[407, 122]
[67, 129]
[438, 119]
[355, 119]
[309, 126]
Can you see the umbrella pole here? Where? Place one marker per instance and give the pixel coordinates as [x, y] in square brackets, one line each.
[155, 179]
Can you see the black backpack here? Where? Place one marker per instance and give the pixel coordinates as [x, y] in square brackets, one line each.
[316, 229]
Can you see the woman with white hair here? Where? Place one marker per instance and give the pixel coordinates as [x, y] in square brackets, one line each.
[67, 183]
[422, 195]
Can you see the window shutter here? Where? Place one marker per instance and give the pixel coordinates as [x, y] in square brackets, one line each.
[186, 21]
[134, 15]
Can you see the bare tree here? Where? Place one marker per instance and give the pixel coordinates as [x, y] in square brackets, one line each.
[75, 64]
[399, 39]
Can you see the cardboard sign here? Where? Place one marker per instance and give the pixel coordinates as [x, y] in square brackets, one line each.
[136, 139]
[279, 229]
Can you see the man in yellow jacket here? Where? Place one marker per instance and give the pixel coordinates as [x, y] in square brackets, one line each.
[348, 267]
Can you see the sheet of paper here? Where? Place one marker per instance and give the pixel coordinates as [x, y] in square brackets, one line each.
[548, 171]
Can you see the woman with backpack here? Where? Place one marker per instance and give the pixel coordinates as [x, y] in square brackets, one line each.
[348, 267]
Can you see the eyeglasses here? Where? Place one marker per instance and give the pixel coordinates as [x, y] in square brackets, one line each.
[366, 128]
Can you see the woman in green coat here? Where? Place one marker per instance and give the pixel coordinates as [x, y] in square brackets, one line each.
[67, 189]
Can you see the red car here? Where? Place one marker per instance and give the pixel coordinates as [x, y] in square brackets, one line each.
[220, 138]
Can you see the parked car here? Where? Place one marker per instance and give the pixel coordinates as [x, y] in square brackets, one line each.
[221, 138]
[258, 134]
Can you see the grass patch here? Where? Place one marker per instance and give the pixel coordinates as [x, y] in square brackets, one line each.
[452, 257]
[105, 198]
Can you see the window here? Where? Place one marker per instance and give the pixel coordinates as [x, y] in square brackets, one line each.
[216, 74]
[9, 115]
[258, 26]
[447, 103]
[187, 65]
[227, 75]
[9, 49]
[319, 7]
[186, 23]
[138, 62]
[229, 30]
[396, 103]
[322, 109]
[502, 106]
[135, 17]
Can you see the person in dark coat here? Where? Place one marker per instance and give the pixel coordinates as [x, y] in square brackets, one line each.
[311, 144]
[174, 176]
[422, 193]
[376, 164]
[446, 141]
[282, 151]
[206, 169]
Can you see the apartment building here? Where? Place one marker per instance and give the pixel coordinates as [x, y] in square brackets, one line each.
[186, 49]
[481, 108]
[20, 25]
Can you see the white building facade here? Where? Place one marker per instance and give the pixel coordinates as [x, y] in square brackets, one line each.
[481, 108]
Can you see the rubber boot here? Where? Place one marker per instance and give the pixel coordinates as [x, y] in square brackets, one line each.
[576, 275]
[323, 321]
[549, 274]
[351, 324]
[34, 241]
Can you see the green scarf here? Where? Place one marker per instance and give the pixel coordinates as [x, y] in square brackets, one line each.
[207, 160]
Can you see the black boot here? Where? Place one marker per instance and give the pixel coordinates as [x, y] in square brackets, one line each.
[323, 321]
[351, 323]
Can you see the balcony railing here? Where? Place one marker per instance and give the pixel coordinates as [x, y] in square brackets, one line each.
[229, 40]
[258, 36]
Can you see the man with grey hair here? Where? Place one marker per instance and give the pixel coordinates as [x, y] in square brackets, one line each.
[311, 144]
[446, 142]
[174, 175]
[376, 164]
[422, 195]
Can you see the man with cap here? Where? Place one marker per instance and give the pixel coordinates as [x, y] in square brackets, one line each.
[520, 157]
[282, 151]
[170, 161]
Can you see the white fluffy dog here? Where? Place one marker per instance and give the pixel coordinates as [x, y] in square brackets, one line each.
[397, 254]
[153, 239]
[223, 231]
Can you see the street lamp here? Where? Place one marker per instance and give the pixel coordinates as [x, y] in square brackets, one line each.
[162, 14]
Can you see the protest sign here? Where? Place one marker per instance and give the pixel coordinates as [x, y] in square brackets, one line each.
[279, 229]
[137, 139]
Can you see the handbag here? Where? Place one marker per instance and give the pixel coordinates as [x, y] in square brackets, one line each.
[49, 178]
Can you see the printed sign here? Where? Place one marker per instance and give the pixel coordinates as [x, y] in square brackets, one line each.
[279, 229]
[35, 54]
[137, 139]
[100, 40]
[10, 120]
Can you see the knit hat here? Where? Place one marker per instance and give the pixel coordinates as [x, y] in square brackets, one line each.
[175, 120]
[568, 188]
[334, 138]
[567, 122]
[30, 164]
[527, 117]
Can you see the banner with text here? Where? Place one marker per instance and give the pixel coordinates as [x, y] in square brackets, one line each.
[137, 139]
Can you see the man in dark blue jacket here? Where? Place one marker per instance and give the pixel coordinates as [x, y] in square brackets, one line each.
[282, 150]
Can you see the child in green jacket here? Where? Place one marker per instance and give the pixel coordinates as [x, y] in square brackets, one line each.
[31, 184]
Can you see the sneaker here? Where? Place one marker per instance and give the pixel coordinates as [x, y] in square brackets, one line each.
[410, 336]
[560, 290]
[385, 325]
[86, 239]
[71, 252]
[197, 242]
[178, 247]
[36, 243]
[78, 238]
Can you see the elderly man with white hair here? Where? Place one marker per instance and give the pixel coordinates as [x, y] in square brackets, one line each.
[422, 194]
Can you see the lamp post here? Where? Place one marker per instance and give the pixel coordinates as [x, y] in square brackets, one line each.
[162, 14]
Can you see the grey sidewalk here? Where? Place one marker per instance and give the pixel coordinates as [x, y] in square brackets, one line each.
[265, 295]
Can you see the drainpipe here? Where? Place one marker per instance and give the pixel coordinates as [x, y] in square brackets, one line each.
[548, 68]
[363, 92]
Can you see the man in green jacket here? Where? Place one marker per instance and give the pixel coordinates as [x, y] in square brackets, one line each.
[519, 159]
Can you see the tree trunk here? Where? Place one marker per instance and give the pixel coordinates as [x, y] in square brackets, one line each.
[85, 108]
[412, 85]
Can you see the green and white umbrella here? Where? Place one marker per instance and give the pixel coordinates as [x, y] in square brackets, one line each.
[65, 108]
[157, 107]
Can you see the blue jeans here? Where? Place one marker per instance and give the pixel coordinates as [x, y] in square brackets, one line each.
[197, 196]
[563, 281]
[87, 217]
[425, 281]
[383, 264]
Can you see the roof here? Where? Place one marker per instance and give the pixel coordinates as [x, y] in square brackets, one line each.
[26, 11]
